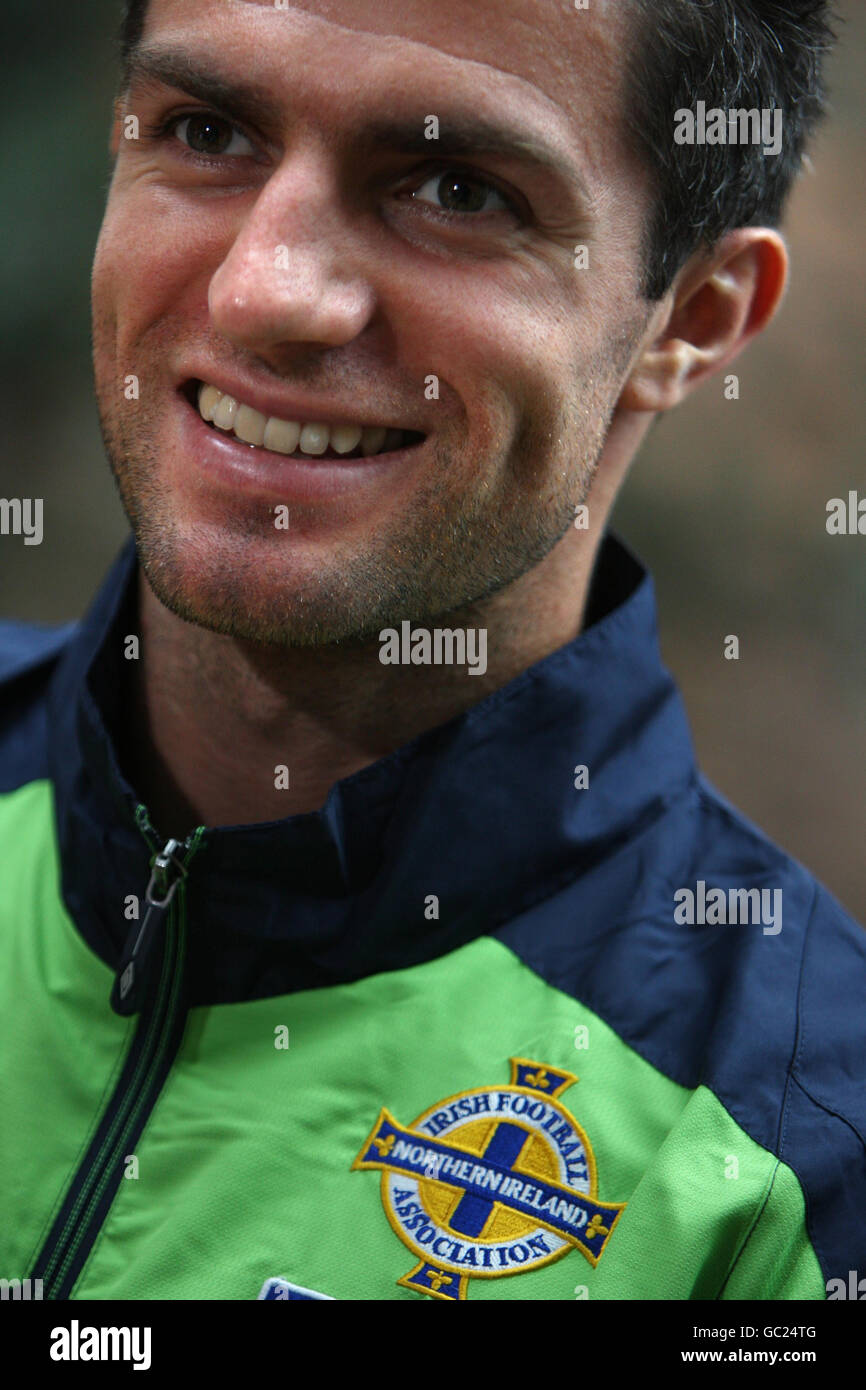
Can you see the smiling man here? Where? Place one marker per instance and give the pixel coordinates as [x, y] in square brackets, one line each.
[343, 962]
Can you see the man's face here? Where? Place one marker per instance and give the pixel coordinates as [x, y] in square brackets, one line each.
[284, 230]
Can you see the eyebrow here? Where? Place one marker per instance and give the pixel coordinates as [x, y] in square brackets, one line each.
[460, 136]
[474, 136]
[243, 100]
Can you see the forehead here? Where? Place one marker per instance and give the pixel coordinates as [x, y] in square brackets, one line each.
[556, 64]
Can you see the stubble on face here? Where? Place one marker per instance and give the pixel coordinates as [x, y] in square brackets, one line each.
[455, 546]
[517, 452]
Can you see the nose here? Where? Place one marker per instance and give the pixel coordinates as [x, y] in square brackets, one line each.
[291, 274]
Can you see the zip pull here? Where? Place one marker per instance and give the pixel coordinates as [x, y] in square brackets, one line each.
[168, 873]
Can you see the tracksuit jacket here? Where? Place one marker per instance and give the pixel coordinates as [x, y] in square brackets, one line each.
[525, 1011]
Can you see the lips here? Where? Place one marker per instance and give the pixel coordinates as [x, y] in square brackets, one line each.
[296, 438]
[219, 471]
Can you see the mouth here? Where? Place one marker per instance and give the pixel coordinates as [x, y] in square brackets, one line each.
[308, 440]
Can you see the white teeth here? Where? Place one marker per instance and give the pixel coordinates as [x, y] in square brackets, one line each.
[345, 438]
[314, 439]
[224, 415]
[282, 436]
[289, 436]
[250, 425]
[208, 400]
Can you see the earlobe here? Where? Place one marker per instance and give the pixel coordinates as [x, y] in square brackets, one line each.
[717, 305]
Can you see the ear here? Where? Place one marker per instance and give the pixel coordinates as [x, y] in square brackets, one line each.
[717, 304]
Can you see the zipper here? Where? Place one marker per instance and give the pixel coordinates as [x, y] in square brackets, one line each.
[159, 995]
[169, 872]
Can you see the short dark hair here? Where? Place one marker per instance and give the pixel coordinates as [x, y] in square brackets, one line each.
[734, 55]
[731, 54]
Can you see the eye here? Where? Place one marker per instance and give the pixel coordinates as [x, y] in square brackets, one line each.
[457, 193]
[211, 135]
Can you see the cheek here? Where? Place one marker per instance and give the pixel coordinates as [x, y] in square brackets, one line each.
[102, 275]
[499, 352]
[155, 258]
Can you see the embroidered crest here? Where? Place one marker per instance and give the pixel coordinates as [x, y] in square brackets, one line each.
[491, 1182]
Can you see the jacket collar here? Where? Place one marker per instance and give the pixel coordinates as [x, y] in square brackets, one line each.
[481, 813]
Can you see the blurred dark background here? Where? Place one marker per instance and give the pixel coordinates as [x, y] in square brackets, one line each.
[727, 503]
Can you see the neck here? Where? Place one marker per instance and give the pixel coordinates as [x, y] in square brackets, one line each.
[230, 732]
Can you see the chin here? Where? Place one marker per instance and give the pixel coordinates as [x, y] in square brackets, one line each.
[257, 592]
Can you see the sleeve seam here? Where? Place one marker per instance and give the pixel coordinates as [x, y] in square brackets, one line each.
[756, 1221]
[783, 1109]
